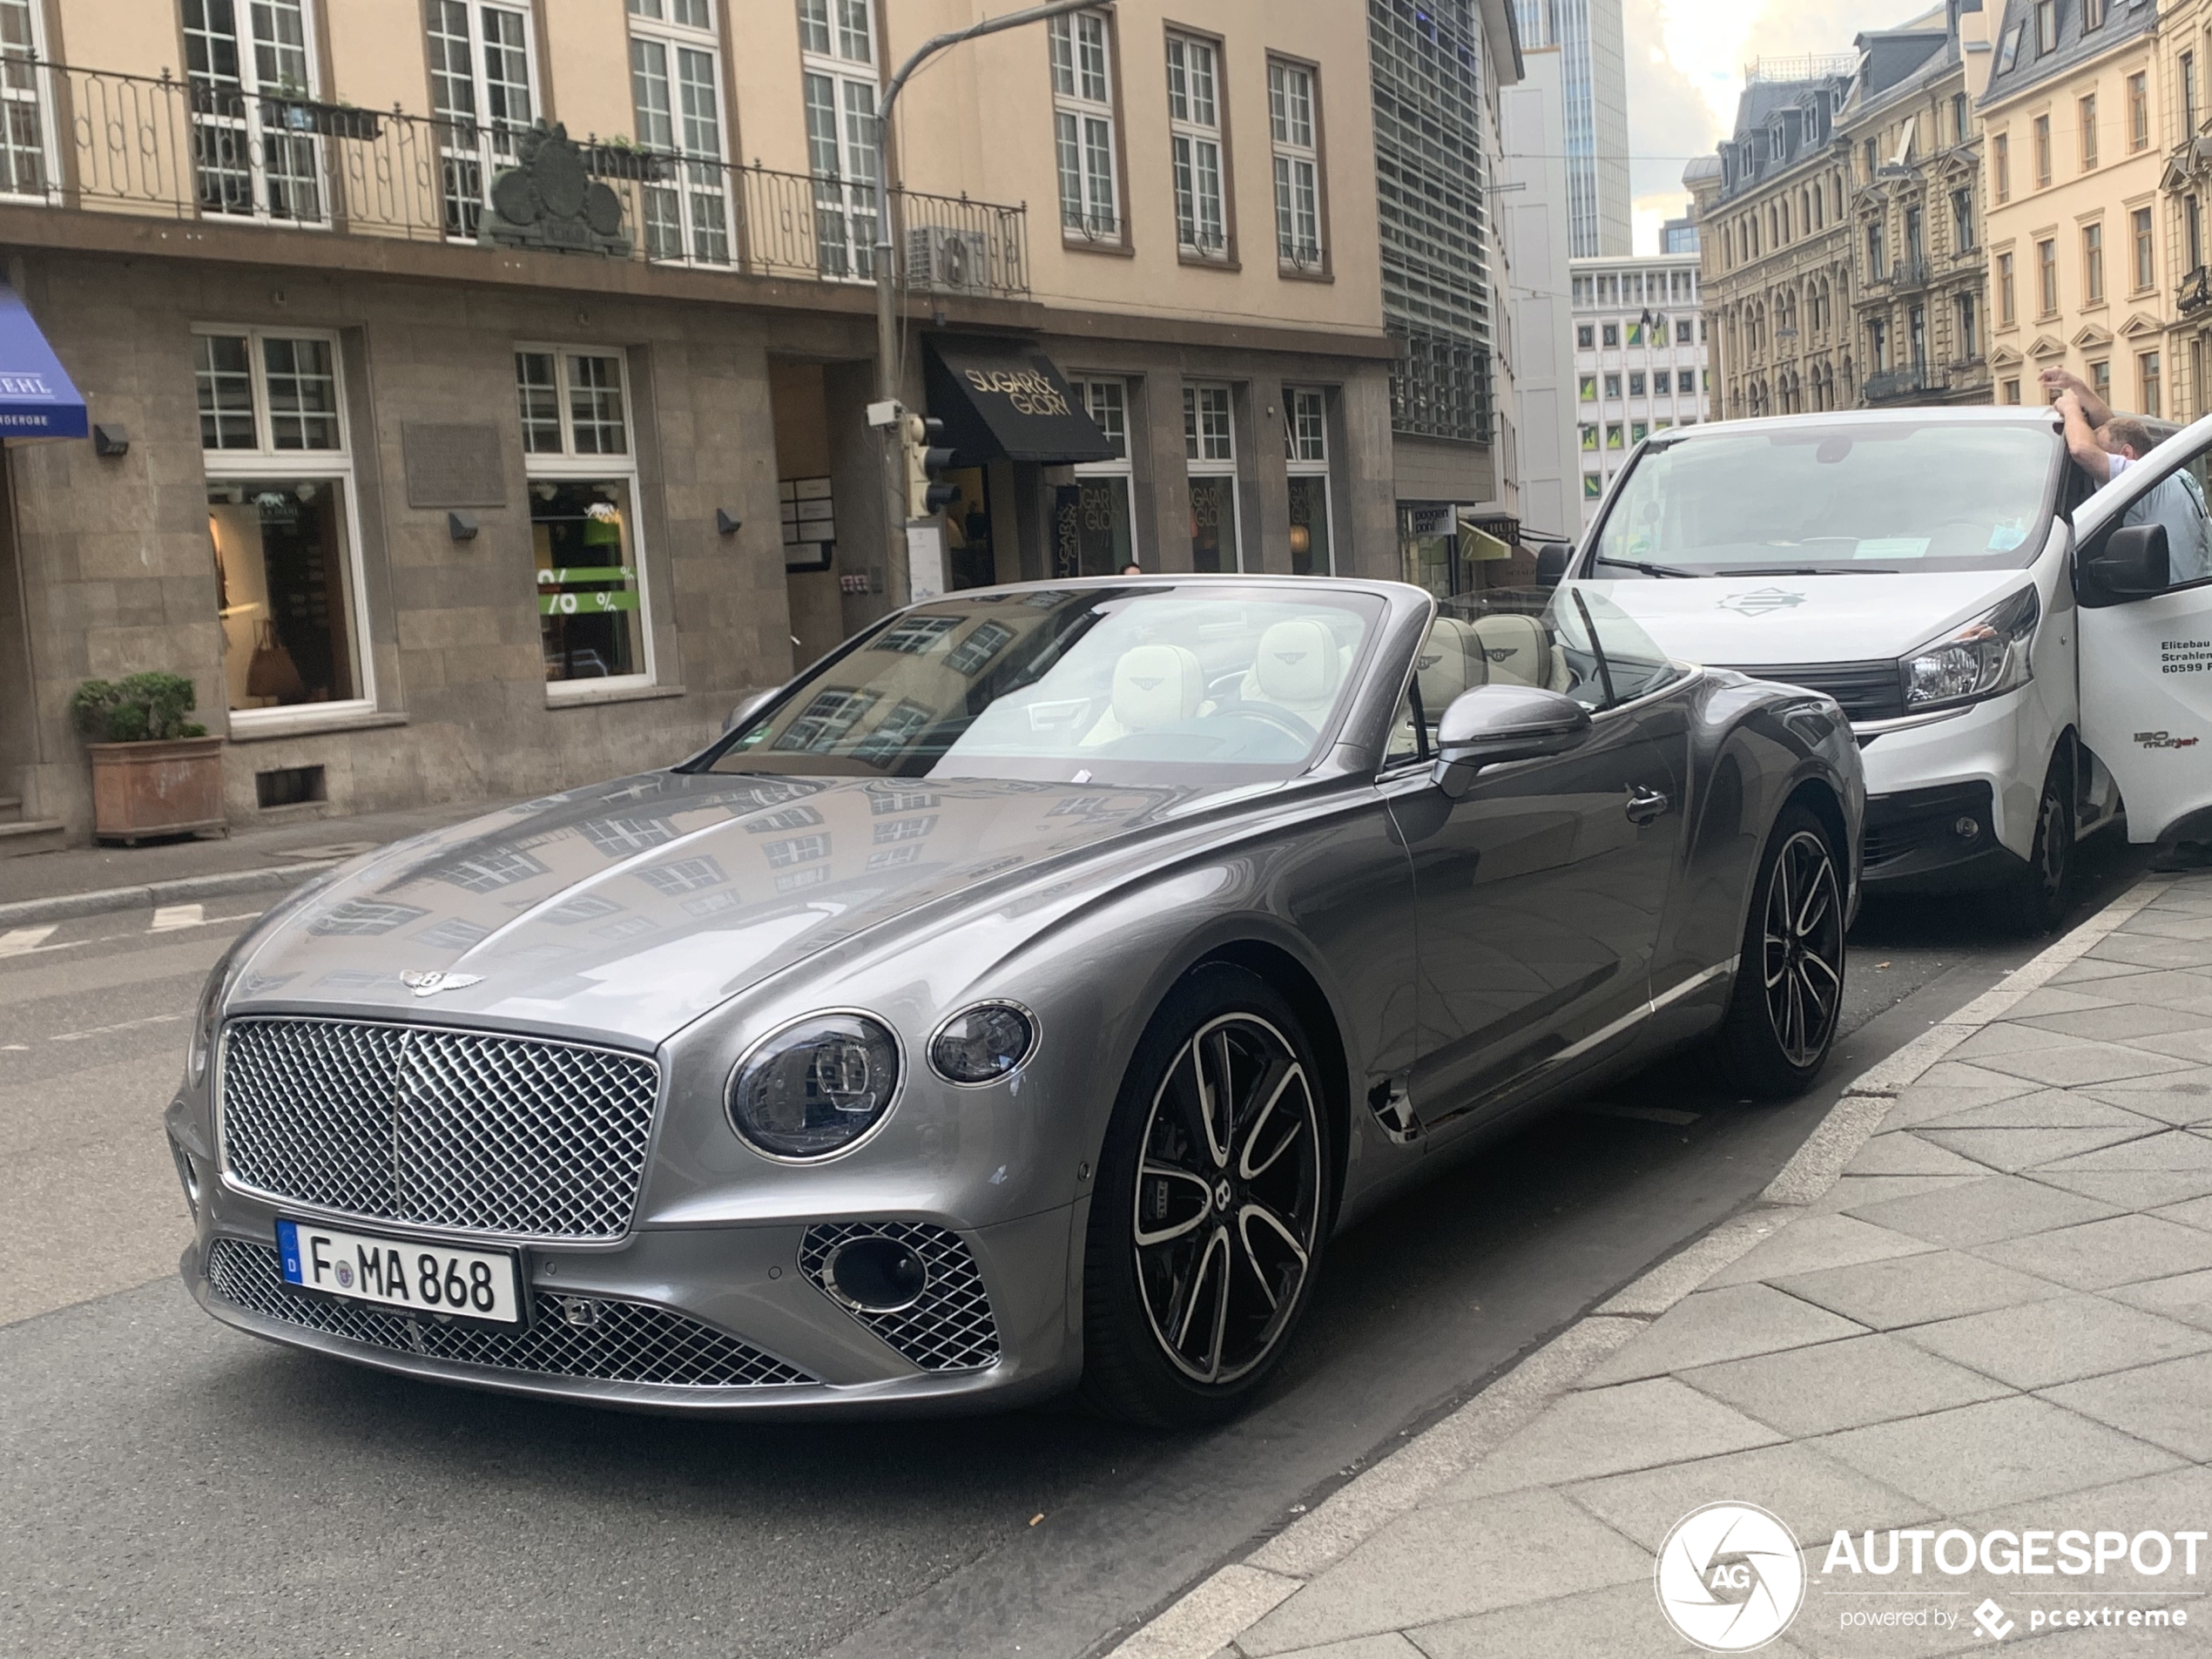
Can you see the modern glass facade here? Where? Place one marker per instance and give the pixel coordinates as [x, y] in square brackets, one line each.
[1591, 35]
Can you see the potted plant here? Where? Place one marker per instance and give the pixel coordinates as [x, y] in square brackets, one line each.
[154, 773]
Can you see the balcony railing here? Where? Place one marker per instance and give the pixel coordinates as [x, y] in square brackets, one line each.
[1890, 385]
[209, 152]
[1910, 272]
[2195, 291]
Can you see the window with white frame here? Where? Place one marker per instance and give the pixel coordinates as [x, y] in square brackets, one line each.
[1210, 449]
[837, 45]
[1082, 116]
[1305, 457]
[246, 81]
[482, 81]
[1104, 542]
[282, 520]
[26, 140]
[593, 620]
[676, 90]
[1293, 123]
[1193, 143]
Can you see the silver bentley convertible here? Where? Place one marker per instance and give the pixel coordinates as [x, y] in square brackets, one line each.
[1015, 1001]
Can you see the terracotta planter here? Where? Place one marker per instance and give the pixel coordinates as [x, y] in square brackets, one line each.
[141, 790]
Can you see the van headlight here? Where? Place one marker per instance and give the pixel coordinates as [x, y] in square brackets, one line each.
[815, 1087]
[1989, 655]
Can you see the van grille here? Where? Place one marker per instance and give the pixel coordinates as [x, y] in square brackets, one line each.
[1866, 690]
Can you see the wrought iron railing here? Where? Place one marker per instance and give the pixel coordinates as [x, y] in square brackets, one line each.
[190, 149]
[1887, 386]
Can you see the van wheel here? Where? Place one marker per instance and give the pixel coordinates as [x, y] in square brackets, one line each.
[2036, 901]
[1789, 994]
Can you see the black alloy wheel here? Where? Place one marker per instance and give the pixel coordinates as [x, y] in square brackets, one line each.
[1210, 1209]
[1789, 995]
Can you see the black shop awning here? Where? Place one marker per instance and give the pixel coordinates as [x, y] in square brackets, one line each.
[1005, 401]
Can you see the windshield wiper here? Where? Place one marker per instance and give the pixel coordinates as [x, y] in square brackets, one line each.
[1812, 570]
[1638, 565]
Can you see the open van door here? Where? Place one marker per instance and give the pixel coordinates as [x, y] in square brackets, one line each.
[2143, 581]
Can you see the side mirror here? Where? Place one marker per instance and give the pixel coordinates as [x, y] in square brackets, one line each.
[2132, 563]
[1551, 563]
[745, 710]
[1493, 723]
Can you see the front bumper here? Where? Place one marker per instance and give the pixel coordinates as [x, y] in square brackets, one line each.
[1936, 840]
[698, 1319]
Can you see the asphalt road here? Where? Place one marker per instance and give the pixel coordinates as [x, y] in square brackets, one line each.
[168, 1487]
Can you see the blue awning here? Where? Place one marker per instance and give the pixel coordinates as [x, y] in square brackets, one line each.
[36, 399]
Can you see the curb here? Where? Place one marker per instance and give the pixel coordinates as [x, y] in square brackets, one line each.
[1232, 1599]
[67, 907]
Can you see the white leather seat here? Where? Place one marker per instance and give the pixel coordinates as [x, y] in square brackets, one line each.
[1515, 649]
[1154, 685]
[1298, 668]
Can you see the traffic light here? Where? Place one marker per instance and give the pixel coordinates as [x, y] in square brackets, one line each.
[926, 461]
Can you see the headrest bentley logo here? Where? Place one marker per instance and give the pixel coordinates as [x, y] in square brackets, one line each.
[429, 984]
[1759, 601]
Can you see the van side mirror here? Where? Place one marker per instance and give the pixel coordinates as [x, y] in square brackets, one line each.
[2133, 562]
[1551, 563]
[745, 710]
[1490, 724]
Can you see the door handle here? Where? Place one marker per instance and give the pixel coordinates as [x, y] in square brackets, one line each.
[1644, 805]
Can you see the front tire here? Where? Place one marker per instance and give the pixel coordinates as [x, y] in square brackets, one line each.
[2036, 901]
[1788, 1000]
[1209, 1215]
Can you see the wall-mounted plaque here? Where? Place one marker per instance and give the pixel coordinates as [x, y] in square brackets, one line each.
[453, 464]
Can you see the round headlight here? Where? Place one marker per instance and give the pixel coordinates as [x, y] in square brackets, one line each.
[816, 1086]
[980, 1045]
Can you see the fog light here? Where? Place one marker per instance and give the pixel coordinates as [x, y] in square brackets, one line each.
[877, 1275]
[1965, 829]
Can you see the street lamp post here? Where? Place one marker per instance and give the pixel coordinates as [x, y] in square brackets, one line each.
[886, 319]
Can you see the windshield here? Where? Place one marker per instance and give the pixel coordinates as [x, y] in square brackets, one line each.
[1215, 682]
[1815, 499]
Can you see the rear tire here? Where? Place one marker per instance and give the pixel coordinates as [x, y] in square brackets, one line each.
[1788, 1000]
[1210, 1209]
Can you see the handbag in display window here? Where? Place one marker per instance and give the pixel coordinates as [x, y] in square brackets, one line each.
[273, 672]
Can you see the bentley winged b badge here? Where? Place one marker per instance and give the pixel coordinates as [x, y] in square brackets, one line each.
[429, 984]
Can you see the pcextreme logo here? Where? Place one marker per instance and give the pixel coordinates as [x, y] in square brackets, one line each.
[1729, 1577]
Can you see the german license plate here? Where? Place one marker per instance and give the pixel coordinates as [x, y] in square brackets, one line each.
[402, 1273]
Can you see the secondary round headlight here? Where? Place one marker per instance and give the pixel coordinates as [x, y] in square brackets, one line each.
[981, 1044]
[816, 1086]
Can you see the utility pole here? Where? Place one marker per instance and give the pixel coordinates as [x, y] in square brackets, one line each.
[887, 318]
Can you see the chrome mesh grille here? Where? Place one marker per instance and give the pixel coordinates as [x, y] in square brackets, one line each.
[951, 1327]
[627, 1342]
[439, 1127]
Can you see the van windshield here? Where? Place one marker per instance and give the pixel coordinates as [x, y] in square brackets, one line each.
[1821, 499]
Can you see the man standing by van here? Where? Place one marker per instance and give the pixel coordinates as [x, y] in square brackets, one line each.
[2104, 445]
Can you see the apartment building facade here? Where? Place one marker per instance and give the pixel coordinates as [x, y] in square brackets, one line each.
[1640, 361]
[1917, 212]
[2082, 115]
[484, 382]
[1775, 244]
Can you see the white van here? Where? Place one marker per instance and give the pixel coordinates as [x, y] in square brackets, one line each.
[2007, 647]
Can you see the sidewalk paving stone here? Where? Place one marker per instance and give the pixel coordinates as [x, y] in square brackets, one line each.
[2004, 1451]
[1621, 1621]
[1995, 1207]
[2087, 970]
[2117, 1251]
[2045, 1109]
[2131, 1189]
[2114, 1022]
[1815, 1242]
[1391, 1644]
[2175, 1149]
[2164, 1403]
[2190, 1212]
[2060, 999]
[2174, 921]
[1451, 1560]
[2186, 1296]
[2146, 951]
[1873, 1379]
[1818, 1492]
[1611, 1431]
[2176, 1098]
[2014, 1149]
[1856, 1192]
[1902, 1152]
[2067, 1062]
[1726, 1324]
[1913, 1290]
[2164, 988]
[2193, 1044]
[2039, 1344]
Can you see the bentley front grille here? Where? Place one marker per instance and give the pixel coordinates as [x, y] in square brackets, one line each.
[588, 1337]
[950, 1327]
[436, 1127]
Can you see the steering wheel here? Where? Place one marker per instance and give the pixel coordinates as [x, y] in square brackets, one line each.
[1281, 719]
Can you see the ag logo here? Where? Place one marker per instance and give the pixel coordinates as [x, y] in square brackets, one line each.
[1729, 1577]
[1759, 601]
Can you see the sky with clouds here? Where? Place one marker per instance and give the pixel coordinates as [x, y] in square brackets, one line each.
[1686, 60]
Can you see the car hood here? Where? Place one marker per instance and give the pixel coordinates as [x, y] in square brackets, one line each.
[1762, 621]
[629, 909]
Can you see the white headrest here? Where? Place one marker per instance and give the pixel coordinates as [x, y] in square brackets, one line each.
[1514, 649]
[1442, 668]
[1298, 664]
[1155, 686]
